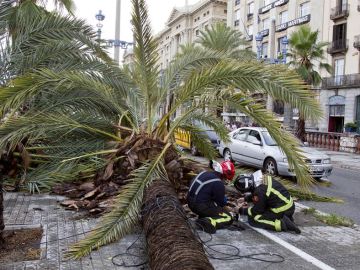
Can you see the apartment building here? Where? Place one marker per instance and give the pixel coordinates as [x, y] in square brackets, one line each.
[265, 23]
[184, 26]
[340, 92]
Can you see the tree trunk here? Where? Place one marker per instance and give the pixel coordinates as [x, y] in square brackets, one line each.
[2, 223]
[171, 242]
[300, 130]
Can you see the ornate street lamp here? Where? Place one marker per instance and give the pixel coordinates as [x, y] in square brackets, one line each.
[110, 42]
[100, 17]
[259, 39]
[285, 43]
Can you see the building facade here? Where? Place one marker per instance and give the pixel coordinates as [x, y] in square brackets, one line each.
[340, 93]
[265, 23]
[184, 26]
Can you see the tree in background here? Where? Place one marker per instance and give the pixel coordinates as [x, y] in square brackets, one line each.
[307, 56]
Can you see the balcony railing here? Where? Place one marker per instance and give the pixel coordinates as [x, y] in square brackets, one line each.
[357, 42]
[340, 11]
[338, 46]
[343, 81]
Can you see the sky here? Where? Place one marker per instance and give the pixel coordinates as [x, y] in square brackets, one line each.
[159, 11]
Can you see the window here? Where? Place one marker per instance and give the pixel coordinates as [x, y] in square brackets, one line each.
[339, 32]
[264, 49]
[339, 66]
[250, 30]
[237, 14]
[304, 9]
[337, 110]
[280, 45]
[197, 32]
[283, 17]
[265, 24]
[251, 8]
[237, 2]
[254, 137]
[225, 11]
[268, 139]
[241, 135]
[208, 12]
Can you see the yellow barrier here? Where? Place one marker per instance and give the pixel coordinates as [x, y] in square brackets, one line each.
[183, 138]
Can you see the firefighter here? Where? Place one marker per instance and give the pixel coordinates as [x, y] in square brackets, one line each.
[206, 197]
[273, 206]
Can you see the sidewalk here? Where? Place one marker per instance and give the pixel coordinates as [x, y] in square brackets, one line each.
[343, 159]
[317, 244]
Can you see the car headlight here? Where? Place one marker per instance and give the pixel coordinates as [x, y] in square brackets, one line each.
[285, 160]
[327, 161]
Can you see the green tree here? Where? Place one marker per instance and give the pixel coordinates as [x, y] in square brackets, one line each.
[307, 56]
[97, 121]
[220, 37]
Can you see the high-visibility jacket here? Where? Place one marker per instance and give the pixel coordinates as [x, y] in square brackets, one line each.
[270, 195]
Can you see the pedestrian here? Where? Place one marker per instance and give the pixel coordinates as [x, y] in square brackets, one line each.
[206, 196]
[273, 206]
[233, 126]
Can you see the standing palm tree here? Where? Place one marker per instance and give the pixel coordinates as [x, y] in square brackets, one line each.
[220, 37]
[100, 123]
[307, 55]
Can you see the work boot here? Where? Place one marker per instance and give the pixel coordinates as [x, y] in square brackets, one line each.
[205, 225]
[288, 225]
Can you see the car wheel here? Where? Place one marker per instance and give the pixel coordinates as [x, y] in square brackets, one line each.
[270, 166]
[227, 155]
[194, 150]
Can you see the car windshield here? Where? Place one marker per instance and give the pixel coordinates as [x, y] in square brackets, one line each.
[268, 139]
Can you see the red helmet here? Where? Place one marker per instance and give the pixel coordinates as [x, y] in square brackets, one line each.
[226, 168]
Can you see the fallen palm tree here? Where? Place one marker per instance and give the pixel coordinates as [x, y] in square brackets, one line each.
[106, 129]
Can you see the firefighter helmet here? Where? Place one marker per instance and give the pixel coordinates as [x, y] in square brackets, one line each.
[226, 168]
[244, 183]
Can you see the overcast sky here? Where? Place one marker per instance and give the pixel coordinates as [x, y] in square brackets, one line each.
[159, 13]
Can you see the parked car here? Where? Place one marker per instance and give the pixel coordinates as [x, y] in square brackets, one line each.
[183, 138]
[253, 146]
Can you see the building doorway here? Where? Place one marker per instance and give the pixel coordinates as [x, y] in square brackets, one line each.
[336, 114]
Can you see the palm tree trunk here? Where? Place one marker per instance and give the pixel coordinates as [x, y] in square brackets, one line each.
[300, 130]
[170, 239]
[2, 223]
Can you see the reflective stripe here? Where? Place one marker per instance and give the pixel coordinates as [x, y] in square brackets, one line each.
[249, 211]
[205, 183]
[288, 202]
[196, 180]
[224, 218]
[269, 186]
[284, 207]
[276, 224]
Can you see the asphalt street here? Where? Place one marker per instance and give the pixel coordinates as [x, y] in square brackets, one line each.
[346, 186]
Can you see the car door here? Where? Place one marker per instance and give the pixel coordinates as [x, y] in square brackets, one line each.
[253, 150]
[238, 143]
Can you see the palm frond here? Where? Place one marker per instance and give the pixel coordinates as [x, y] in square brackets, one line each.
[146, 57]
[122, 219]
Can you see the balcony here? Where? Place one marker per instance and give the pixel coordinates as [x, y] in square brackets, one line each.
[338, 46]
[340, 11]
[357, 42]
[344, 81]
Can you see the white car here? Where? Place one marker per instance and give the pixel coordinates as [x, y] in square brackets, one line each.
[253, 146]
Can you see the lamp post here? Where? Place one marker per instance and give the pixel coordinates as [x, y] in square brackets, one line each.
[259, 39]
[284, 42]
[100, 17]
[116, 43]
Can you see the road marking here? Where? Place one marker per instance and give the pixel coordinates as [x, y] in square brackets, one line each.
[294, 249]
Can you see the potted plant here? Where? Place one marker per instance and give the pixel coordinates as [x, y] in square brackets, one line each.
[350, 127]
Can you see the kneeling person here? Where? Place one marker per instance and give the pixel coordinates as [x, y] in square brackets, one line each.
[206, 196]
[273, 205]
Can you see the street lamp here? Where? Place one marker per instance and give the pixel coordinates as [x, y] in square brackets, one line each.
[285, 43]
[259, 39]
[116, 43]
[100, 17]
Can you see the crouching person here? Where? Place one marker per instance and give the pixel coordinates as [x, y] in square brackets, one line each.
[206, 197]
[273, 206]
